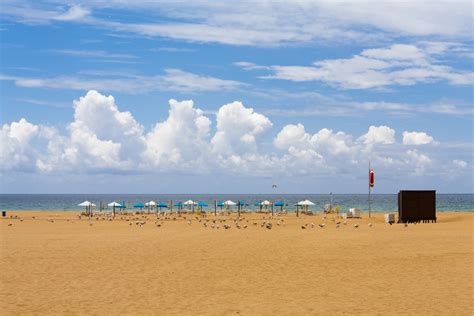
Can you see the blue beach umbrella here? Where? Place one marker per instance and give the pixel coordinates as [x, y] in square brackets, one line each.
[162, 204]
[139, 205]
[280, 204]
[202, 204]
[220, 204]
[240, 204]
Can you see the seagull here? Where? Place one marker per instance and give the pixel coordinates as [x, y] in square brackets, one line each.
[322, 225]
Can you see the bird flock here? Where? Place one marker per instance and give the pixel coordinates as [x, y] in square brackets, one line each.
[239, 223]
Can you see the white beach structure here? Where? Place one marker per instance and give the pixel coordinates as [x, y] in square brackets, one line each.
[229, 203]
[190, 202]
[305, 204]
[114, 205]
[88, 206]
[150, 205]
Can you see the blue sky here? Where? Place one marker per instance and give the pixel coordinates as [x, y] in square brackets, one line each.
[298, 94]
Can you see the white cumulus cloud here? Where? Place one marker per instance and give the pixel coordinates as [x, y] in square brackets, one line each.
[416, 138]
[181, 139]
[237, 129]
[379, 135]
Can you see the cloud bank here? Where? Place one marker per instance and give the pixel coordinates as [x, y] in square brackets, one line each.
[103, 139]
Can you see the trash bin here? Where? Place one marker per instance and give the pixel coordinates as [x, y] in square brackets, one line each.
[4, 213]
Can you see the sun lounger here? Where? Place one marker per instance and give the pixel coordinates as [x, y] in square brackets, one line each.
[355, 212]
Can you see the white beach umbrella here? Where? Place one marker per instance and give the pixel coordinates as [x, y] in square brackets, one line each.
[151, 203]
[229, 203]
[114, 204]
[305, 203]
[86, 203]
[190, 202]
[88, 206]
[266, 203]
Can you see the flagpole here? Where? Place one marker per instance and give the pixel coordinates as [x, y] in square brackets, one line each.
[369, 188]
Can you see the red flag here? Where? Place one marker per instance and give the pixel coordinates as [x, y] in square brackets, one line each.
[371, 178]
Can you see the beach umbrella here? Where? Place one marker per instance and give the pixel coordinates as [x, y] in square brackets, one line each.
[178, 204]
[280, 204]
[86, 203]
[162, 204]
[229, 203]
[139, 205]
[220, 204]
[88, 206]
[114, 205]
[150, 204]
[202, 204]
[305, 203]
[190, 202]
[239, 206]
[266, 203]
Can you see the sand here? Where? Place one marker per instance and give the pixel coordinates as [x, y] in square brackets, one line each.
[67, 266]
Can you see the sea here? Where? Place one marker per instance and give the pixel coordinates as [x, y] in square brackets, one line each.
[379, 202]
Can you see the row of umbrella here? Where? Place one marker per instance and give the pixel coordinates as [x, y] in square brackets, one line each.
[194, 203]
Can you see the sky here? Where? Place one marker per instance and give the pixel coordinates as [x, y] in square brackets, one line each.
[235, 96]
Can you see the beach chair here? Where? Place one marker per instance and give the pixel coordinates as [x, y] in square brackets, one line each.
[355, 212]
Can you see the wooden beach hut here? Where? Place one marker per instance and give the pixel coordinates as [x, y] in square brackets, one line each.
[416, 206]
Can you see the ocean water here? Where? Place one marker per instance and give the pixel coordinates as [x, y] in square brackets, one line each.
[380, 202]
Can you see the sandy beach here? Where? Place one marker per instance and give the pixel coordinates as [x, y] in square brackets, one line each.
[55, 263]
